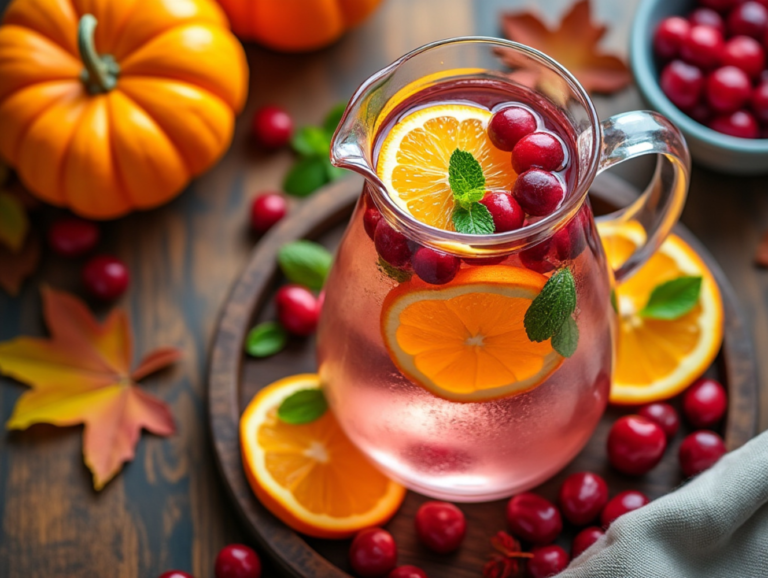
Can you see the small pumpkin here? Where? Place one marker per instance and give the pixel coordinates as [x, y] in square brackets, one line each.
[296, 25]
[107, 106]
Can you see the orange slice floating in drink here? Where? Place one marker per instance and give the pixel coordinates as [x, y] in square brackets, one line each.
[657, 359]
[311, 476]
[466, 341]
[414, 158]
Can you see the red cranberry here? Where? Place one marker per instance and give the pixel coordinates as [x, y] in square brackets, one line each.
[620, 504]
[748, 19]
[440, 526]
[728, 89]
[272, 127]
[582, 497]
[635, 444]
[704, 403]
[570, 241]
[547, 561]
[746, 54]
[740, 124]
[700, 451]
[106, 277]
[669, 36]
[70, 237]
[391, 245]
[267, 210]
[505, 210]
[407, 572]
[538, 258]
[175, 574]
[585, 539]
[371, 218]
[703, 47]
[534, 518]
[662, 414]
[719, 5]
[682, 83]
[540, 150]
[434, 267]
[707, 17]
[237, 561]
[538, 192]
[297, 309]
[509, 125]
[373, 553]
[760, 101]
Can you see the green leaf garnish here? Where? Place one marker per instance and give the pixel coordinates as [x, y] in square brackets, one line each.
[552, 307]
[465, 176]
[614, 302]
[305, 263]
[304, 406]
[476, 220]
[673, 299]
[306, 176]
[393, 272]
[566, 339]
[266, 339]
[311, 140]
[333, 118]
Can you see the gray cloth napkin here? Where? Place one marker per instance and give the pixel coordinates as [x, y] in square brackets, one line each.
[714, 526]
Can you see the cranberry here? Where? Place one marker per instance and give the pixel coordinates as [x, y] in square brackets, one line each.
[620, 504]
[547, 561]
[505, 210]
[175, 574]
[585, 539]
[534, 518]
[391, 245]
[267, 210]
[538, 258]
[373, 553]
[700, 451]
[704, 403]
[664, 415]
[70, 237]
[582, 497]
[570, 241]
[106, 277]
[682, 83]
[760, 101]
[440, 526]
[748, 19]
[703, 47]
[739, 124]
[434, 267]
[407, 572]
[540, 150]
[538, 192]
[272, 127]
[728, 89]
[719, 5]
[509, 125]
[669, 36]
[707, 17]
[635, 444]
[745, 53]
[237, 561]
[371, 218]
[297, 309]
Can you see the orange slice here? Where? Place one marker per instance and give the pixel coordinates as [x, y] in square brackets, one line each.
[311, 476]
[414, 158]
[466, 341]
[658, 359]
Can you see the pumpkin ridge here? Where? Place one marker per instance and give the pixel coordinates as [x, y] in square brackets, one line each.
[14, 16]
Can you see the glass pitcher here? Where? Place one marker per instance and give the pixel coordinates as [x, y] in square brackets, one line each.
[438, 383]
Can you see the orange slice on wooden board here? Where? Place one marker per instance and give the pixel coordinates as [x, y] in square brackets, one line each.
[311, 476]
[657, 359]
[466, 341]
[414, 158]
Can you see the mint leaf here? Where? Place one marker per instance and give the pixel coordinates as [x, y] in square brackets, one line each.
[306, 176]
[304, 406]
[465, 176]
[393, 272]
[311, 140]
[475, 220]
[673, 299]
[566, 339]
[552, 307]
[305, 263]
[333, 119]
[266, 339]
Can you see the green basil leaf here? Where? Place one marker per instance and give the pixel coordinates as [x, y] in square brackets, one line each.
[311, 141]
[266, 339]
[673, 299]
[305, 263]
[306, 176]
[566, 339]
[474, 220]
[304, 406]
[550, 309]
[333, 119]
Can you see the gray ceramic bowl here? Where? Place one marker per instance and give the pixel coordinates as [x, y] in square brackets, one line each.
[709, 148]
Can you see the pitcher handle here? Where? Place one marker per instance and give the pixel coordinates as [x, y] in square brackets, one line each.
[631, 135]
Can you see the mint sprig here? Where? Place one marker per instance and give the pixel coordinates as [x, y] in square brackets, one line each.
[467, 182]
[266, 339]
[304, 406]
[566, 339]
[475, 220]
[305, 263]
[550, 314]
[673, 299]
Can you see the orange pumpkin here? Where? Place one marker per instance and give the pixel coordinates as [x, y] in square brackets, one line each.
[296, 25]
[112, 105]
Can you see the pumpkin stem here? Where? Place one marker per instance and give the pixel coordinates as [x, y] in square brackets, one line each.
[100, 73]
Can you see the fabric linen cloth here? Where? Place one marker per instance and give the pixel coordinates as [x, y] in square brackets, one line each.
[716, 525]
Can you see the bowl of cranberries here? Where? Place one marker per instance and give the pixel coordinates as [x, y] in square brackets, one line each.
[704, 65]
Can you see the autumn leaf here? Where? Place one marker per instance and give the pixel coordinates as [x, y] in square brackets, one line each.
[82, 375]
[17, 266]
[574, 44]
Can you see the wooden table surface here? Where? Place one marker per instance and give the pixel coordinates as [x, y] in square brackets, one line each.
[168, 509]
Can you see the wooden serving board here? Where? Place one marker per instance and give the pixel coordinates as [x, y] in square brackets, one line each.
[235, 378]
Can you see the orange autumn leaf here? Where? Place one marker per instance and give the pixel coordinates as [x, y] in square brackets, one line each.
[82, 375]
[574, 44]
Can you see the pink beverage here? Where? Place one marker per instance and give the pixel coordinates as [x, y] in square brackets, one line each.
[434, 373]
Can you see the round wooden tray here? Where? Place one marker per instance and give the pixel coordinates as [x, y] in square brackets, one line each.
[235, 378]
